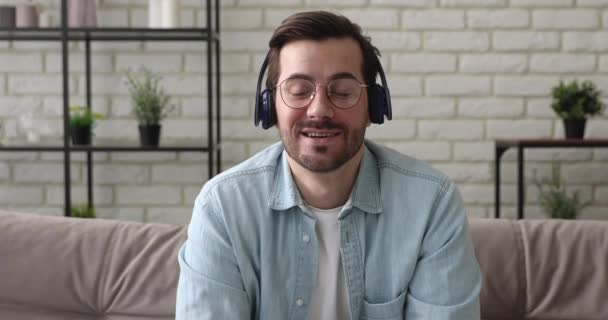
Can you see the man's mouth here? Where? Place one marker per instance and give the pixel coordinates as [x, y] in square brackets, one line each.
[320, 134]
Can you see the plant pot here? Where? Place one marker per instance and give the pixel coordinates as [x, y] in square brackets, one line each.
[574, 128]
[149, 135]
[81, 135]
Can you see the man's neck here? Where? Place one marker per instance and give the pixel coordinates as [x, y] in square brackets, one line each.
[326, 190]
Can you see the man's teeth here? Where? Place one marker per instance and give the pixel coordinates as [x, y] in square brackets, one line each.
[319, 135]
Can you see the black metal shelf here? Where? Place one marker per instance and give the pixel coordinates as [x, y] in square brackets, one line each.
[108, 34]
[63, 35]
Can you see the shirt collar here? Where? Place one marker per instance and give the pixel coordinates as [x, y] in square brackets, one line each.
[365, 195]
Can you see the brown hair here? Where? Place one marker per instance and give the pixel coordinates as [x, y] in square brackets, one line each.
[319, 25]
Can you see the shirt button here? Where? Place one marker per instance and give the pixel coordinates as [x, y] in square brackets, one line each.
[299, 302]
[306, 238]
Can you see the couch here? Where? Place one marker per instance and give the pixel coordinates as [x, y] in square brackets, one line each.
[71, 268]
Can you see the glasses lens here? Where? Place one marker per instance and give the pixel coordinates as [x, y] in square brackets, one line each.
[296, 93]
[344, 93]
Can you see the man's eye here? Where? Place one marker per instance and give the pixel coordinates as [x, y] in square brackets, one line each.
[340, 94]
[300, 93]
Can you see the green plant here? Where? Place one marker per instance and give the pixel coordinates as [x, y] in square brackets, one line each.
[574, 101]
[82, 211]
[81, 116]
[554, 199]
[148, 97]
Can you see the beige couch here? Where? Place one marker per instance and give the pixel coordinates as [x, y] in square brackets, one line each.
[68, 268]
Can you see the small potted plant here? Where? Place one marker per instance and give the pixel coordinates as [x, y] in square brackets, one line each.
[82, 211]
[150, 104]
[82, 120]
[575, 103]
[554, 199]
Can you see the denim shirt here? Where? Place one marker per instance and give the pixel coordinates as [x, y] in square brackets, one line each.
[251, 251]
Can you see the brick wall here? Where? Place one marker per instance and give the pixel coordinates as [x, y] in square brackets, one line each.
[462, 73]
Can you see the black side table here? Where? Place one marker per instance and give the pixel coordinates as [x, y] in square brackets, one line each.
[500, 146]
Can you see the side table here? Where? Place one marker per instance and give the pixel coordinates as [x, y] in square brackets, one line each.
[500, 146]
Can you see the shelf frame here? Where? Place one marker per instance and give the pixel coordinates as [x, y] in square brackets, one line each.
[64, 34]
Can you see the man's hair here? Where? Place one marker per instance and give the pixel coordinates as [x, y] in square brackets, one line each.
[320, 25]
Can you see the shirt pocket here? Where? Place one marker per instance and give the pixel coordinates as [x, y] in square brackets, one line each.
[386, 311]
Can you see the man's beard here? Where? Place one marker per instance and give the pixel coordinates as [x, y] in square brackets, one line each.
[352, 141]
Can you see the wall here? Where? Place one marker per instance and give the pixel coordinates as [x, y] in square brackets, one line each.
[462, 73]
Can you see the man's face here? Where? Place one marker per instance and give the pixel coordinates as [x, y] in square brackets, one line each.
[321, 137]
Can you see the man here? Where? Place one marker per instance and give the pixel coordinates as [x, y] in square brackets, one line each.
[325, 224]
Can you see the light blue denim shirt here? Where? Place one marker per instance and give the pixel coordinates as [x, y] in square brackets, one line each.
[251, 251]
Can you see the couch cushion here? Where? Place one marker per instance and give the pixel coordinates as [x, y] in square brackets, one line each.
[500, 253]
[567, 269]
[542, 269]
[81, 268]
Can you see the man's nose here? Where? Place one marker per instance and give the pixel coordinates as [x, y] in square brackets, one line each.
[320, 107]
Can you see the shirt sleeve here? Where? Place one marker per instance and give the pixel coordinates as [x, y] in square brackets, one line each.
[210, 284]
[447, 280]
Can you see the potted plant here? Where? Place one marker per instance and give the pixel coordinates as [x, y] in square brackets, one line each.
[82, 120]
[82, 211]
[150, 104]
[554, 199]
[575, 103]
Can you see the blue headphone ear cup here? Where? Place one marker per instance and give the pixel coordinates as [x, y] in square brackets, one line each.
[378, 104]
[267, 113]
[382, 104]
[257, 116]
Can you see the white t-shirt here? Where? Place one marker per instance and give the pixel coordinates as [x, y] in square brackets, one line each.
[329, 299]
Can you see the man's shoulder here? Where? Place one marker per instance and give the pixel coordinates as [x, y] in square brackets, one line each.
[395, 162]
[258, 165]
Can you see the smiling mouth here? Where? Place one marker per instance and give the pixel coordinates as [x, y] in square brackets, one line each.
[318, 135]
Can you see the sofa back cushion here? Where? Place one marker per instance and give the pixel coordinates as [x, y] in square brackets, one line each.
[542, 269]
[71, 268]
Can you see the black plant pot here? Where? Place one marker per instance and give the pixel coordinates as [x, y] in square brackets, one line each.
[81, 135]
[575, 128]
[149, 135]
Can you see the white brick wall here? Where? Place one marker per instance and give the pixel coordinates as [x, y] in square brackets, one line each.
[20, 62]
[493, 63]
[525, 40]
[565, 19]
[17, 195]
[456, 41]
[458, 85]
[450, 129]
[4, 172]
[491, 107]
[413, 63]
[562, 63]
[423, 108]
[501, 18]
[461, 72]
[433, 19]
[586, 41]
[148, 195]
[519, 129]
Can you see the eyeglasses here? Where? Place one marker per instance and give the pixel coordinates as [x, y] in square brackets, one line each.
[343, 93]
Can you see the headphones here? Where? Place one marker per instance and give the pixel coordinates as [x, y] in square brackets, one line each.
[378, 96]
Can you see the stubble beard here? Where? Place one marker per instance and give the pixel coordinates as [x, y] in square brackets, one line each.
[353, 139]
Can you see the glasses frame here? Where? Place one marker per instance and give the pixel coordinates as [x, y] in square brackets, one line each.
[314, 93]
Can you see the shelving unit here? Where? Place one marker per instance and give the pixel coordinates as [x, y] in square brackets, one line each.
[209, 34]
